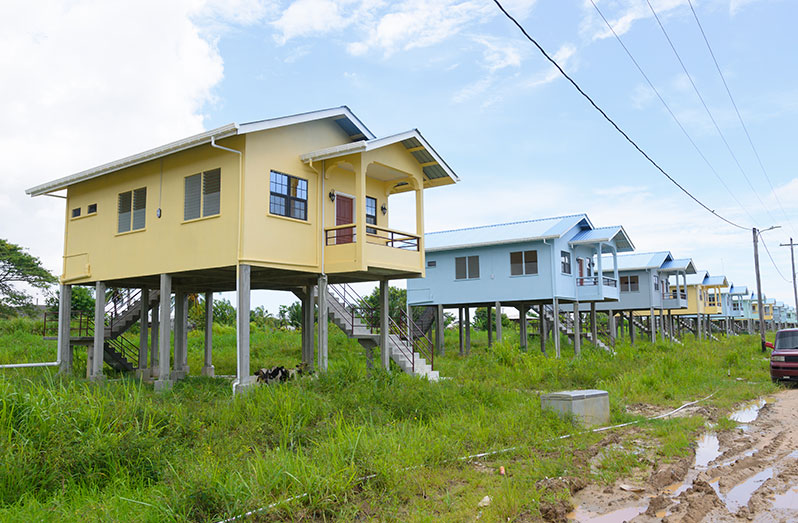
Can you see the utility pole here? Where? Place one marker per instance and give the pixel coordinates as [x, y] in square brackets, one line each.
[791, 245]
[759, 290]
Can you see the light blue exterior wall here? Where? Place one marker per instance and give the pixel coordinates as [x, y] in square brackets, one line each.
[495, 283]
[643, 299]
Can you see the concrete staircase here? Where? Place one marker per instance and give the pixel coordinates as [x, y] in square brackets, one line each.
[349, 317]
[548, 313]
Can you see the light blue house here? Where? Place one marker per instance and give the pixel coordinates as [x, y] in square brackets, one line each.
[645, 288]
[521, 264]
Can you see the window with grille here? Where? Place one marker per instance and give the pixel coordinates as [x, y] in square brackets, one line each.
[371, 214]
[523, 262]
[630, 284]
[565, 262]
[132, 210]
[202, 195]
[288, 196]
[466, 268]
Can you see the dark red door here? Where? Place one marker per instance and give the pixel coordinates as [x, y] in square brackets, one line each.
[344, 215]
[580, 264]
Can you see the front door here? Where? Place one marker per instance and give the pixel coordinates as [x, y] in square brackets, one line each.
[580, 271]
[344, 214]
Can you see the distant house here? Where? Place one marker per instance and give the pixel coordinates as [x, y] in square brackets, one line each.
[733, 306]
[703, 301]
[547, 261]
[291, 203]
[645, 287]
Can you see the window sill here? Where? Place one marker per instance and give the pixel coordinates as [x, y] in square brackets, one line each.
[201, 219]
[524, 275]
[287, 218]
[130, 232]
[76, 218]
[466, 279]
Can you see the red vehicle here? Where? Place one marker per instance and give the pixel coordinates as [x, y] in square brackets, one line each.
[784, 358]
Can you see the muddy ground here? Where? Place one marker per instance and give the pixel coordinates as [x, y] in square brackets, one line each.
[750, 473]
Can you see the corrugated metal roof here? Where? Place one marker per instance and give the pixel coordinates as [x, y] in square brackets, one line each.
[738, 289]
[605, 234]
[682, 264]
[513, 232]
[637, 261]
[716, 281]
[697, 278]
[341, 115]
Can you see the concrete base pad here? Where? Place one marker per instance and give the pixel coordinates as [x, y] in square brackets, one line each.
[244, 385]
[162, 385]
[142, 374]
[209, 371]
[591, 407]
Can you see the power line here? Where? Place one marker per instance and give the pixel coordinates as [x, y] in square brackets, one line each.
[610, 120]
[771, 259]
[736, 110]
[706, 108]
[673, 115]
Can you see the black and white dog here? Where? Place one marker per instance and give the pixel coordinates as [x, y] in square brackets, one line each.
[279, 374]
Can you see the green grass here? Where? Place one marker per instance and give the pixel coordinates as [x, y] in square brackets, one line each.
[77, 451]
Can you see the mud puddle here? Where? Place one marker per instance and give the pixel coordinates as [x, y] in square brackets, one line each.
[617, 516]
[739, 496]
[787, 501]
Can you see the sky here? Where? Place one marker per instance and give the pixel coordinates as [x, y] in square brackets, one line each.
[90, 81]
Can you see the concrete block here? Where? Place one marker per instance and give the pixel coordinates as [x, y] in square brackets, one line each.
[591, 407]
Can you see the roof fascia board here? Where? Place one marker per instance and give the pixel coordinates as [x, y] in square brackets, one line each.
[273, 123]
[136, 159]
[489, 244]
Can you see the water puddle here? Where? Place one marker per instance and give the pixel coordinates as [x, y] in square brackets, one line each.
[616, 516]
[707, 450]
[749, 412]
[739, 496]
[787, 501]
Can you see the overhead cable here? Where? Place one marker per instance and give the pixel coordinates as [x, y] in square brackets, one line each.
[611, 121]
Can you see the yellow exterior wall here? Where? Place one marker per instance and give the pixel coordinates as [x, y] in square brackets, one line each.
[93, 249]
[244, 231]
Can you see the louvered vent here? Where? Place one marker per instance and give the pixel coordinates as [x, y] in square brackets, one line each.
[191, 209]
[211, 191]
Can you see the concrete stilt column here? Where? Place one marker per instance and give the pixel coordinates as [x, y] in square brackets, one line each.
[543, 327]
[593, 322]
[308, 349]
[164, 381]
[490, 326]
[522, 326]
[181, 335]
[699, 327]
[612, 327]
[64, 330]
[97, 349]
[498, 321]
[460, 330]
[467, 331]
[555, 329]
[207, 367]
[632, 327]
[142, 371]
[385, 350]
[243, 289]
[577, 330]
[652, 325]
[323, 323]
[154, 342]
[440, 348]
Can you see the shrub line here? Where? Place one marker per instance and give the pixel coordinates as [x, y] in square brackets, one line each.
[480, 455]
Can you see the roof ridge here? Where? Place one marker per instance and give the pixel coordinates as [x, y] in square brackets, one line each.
[508, 223]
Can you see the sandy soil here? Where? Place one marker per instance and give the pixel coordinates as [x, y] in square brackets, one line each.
[750, 473]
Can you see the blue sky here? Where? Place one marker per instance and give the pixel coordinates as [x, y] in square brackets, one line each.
[89, 82]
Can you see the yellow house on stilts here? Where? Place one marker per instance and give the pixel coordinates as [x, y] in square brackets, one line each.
[299, 203]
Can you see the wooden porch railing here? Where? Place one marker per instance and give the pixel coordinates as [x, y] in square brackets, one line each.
[586, 281]
[345, 234]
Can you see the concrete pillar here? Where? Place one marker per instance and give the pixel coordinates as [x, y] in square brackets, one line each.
[154, 335]
[141, 370]
[699, 327]
[593, 322]
[385, 350]
[498, 322]
[467, 331]
[207, 367]
[555, 329]
[612, 327]
[99, 332]
[577, 330]
[522, 310]
[652, 325]
[243, 290]
[181, 335]
[164, 380]
[64, 329]
[460, 329]
[309, 339]
[439, 338]
[323, 323]
[632, 327]
[490, 326]
[543, 327]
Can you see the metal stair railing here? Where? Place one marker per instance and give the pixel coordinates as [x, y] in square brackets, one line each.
[354, 305]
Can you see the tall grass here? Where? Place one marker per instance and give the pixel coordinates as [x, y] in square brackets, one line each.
[77, 451]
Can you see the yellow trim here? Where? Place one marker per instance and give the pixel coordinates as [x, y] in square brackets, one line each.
[130, 232]
[76, 218]
[201, 218]
[428, 164]
[289, 218]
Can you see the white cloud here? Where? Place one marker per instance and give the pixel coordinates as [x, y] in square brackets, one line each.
[310, 18]
[89, 81]
[499, 53]
[622, 19]
[563, 57]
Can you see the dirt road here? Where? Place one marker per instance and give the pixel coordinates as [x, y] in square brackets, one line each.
[750, 473]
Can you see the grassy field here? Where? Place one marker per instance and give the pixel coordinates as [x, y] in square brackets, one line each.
[77, 451]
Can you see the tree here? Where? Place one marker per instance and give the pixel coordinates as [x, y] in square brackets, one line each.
[290, 315]
[17, 267]
[223, 312]
[481, 319]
